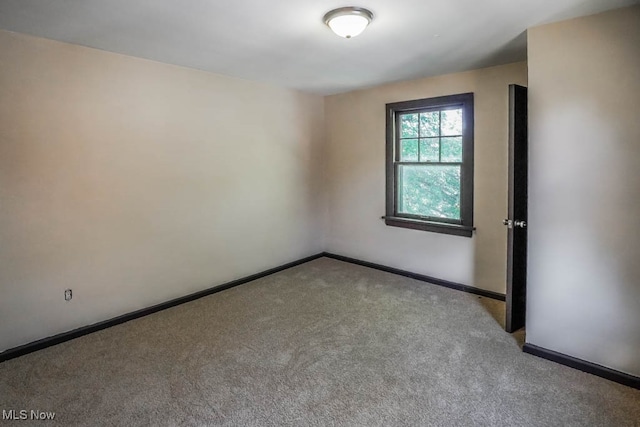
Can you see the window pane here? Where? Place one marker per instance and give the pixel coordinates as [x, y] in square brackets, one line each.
[452, 149]
[409, 126]
[429, 190]
[430, 150]
[409, 150]
[430, 124]
[452, 122]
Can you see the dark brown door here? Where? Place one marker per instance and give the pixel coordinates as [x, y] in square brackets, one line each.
[517, 219]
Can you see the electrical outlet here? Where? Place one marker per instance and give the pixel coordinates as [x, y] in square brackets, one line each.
[68, 295]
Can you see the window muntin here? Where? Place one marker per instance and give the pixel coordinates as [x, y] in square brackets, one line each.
[430, 158]
[429, 162]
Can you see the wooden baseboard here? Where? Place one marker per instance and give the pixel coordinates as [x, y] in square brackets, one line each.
[601, 371]
[583, 365]
[76, 333]
[421, 277]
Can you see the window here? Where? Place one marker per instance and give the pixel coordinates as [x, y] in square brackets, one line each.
[430, 164]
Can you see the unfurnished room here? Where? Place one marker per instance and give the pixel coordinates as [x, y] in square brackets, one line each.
[320, 213]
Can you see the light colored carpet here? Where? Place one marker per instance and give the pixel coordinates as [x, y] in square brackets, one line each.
[323, 344]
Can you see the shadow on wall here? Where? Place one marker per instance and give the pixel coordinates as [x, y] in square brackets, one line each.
[497, 310]
[466, 57]
[594, 260]
[512, 51]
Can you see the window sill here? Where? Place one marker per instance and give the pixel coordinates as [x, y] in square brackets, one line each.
[436, 227]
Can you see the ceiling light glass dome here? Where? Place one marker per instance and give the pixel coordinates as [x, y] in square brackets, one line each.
[348, 22]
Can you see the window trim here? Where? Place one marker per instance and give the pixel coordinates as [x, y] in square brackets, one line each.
[393, 218]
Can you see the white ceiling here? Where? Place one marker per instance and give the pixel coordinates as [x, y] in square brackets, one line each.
[284, 42]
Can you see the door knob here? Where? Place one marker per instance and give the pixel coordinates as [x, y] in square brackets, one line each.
[508, 223]
[521, 224]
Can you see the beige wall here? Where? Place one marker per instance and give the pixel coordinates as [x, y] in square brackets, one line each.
[584, 209]
[134, 182]
[356, 180]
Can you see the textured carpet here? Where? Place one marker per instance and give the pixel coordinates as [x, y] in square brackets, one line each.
[326, 343]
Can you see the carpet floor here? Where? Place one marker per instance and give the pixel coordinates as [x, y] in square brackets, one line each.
[323, 344]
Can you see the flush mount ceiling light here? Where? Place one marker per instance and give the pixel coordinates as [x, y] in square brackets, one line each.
[348, 22]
